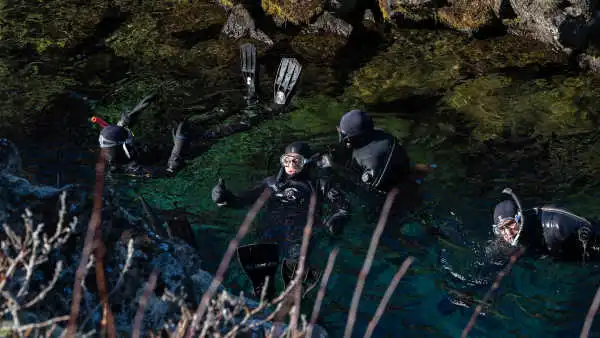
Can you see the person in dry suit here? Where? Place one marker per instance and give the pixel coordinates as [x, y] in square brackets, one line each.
[382, 161]
[546, 230]
[286, 213]
[122, 155]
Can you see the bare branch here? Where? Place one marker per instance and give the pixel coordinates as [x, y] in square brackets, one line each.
[233, 244]
[589, 318]
[143, 301]
[93, 225]
[369, 261]
[495, 285]
[322, 289]
[388, 295]
[300, 269]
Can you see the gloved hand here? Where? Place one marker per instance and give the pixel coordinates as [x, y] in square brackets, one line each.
[179, 142]
[325, 161]
[335, 224]
[127, 116]
[220, 194]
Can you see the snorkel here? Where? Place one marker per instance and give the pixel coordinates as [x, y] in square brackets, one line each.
[99, 121]
[519, 218]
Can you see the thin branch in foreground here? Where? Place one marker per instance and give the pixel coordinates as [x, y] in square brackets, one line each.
[369, 261]
[301, 263]
[139, 315]
[233, 244]
[388, 295]
[495, 285]
[49, 322]
[589, 318]
[322, 289]
[93, 225]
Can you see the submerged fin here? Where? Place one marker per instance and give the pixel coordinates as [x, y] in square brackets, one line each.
[309, 281]
[258, 262]
[248, 65]
[285, 80]
[153, 220]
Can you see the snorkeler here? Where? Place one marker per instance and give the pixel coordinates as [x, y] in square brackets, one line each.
[299, 177]
[546, 230]
[121, 154]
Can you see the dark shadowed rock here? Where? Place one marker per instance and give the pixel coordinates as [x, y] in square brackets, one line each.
[240, 24]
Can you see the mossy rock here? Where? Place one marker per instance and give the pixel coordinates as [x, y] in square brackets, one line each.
[193, 16]
[294, 12]
[495, 104]
[50, 24]
[144, 41]
[27, 92]
[406, 10]
[419, 62]
[317, 48]
[465, 15]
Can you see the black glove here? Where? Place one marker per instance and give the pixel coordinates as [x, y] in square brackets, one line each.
[127, 116]
[179, 142]
[336, 223]
[220, 194]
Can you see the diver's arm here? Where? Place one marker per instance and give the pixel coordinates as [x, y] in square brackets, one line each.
[338, 206]
[222, 196]
[248, 197]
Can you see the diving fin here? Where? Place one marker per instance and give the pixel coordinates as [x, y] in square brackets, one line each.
[154, 222]
[258, 262]
[285, 80]
[309, 281]
[248, 64]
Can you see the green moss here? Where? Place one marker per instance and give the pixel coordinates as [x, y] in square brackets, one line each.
[467, 14]
[418, 63]
[26, 92]
[315, 48]
[293, 11]
[495, 103]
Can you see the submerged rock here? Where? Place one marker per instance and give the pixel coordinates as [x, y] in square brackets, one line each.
[240, 24]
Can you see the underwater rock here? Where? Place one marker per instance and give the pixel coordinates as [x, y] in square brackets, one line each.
[240, 24]
[292, 11]
[469, 16]
[589, 62]
[563, 24]
[328, 23]
[411, 10]
[17, 192]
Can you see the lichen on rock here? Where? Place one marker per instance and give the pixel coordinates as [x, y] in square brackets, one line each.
[293, 11]
[498, 105]
[466, 15]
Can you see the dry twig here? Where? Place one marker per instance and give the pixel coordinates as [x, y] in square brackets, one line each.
[233, 244]
[387, 296]
[495, 285]
[369, 261]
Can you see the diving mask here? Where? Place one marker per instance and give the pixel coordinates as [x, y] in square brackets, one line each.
[509, 229]
[295, 160]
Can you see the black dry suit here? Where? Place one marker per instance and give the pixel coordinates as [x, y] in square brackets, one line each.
[382, 161]
[122, 155]
[553, 231]
[287, 209]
